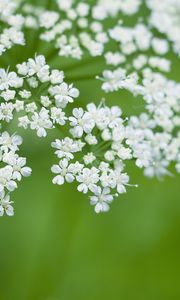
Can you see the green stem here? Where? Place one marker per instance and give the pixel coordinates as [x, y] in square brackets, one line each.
[91, 77]
[102, 146]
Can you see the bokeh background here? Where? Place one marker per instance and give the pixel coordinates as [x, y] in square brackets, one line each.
[56, 247]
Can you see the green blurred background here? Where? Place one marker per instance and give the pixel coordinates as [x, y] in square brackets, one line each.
[57, 248]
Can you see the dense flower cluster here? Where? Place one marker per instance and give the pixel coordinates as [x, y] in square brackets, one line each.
[12, 169]
[153, 148]
[100, 140]
[74, 27]
[37, 94]
[99, 133]
[165, 18]
[10, 26]
[161, 95]
[154, 136]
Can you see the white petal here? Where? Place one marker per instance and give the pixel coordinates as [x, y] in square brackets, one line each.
[58, 180]
[10, 211]
[26, 171]
[69, 177]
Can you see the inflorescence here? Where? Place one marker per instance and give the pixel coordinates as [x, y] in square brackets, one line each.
[97, 140]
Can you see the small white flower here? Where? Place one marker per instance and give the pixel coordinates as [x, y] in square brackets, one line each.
[45, 101]
[40, 122]
[18, 165]
[8, 95]
[63, 94]
[5, 205]
[8, 80]
[6, 180]
[101, 199]
[48, 19]
[56, 77]
[25, 94]
[66, 148]
[19, 105]
[23, 122]
[88, 179]
[81, 122]
[39, 67]
[89, 158]
[63, 171]
[91, 139]
[58, 116]
[8, 142]
[6, 111]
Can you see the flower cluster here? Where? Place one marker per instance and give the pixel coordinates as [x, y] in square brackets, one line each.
[37, 94]
[161, 95]
[165, 18]
[100, 139]
[75, 28]
[10, 26]
[153, 136]
[118, 79]
[100, 134]
[154, 150]
[138, 38]
[13, 168]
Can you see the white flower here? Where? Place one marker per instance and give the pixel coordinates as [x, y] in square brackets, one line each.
[8, 142]
[115, 80]
[5, 205]
[76, 168]
[8, 80]
[119, 180]
[158, 169]
[81, 122]
[22, 69]
[56, 77]
[6, 111]
[89, 158]
[114, 58]
[25, 94]
[88, 179]
[122, 152]
[109, 155]
[32, 81]
[66, 148]
[31, 107]
[18, 165]
[45, 101]
[8, 95]
[48, 19]
[101, 199]
[40, 122]
[39, 67]
[64, 94]
[63, 172]
[114, 117]
[91, 139]
[58, 116]
[23, 122]
[6, 180]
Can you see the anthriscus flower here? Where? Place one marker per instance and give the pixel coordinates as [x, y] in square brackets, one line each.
[11, 25]
[12, 169]
[38, 93]
[131, 51]
[100, 134]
